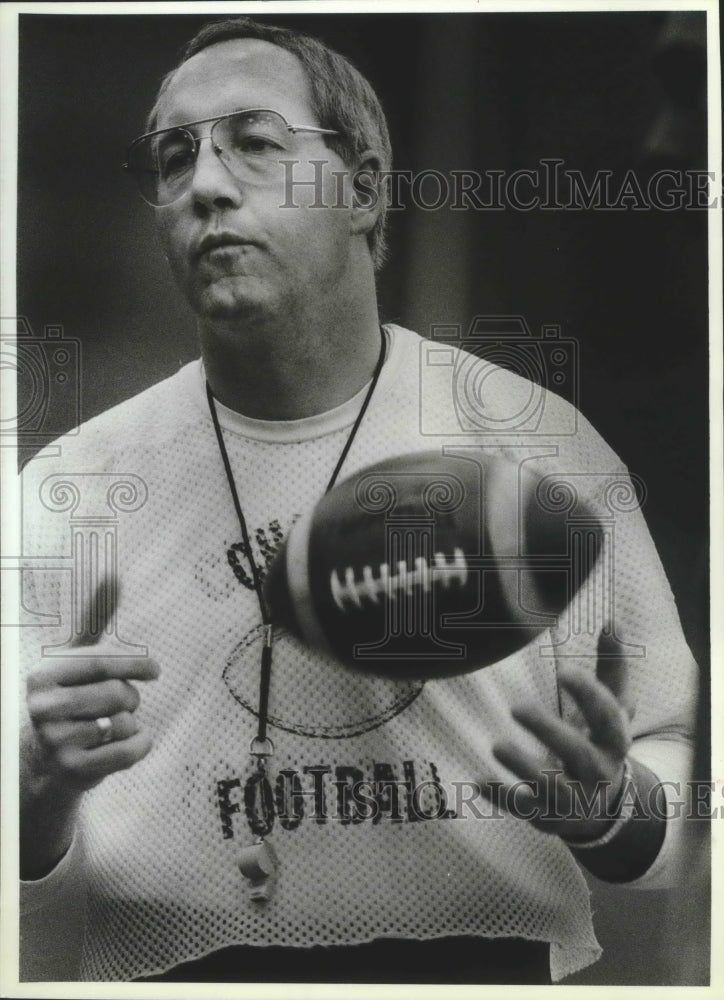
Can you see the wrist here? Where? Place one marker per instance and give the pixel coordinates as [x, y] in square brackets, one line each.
[48, 811]
[617, 817]
[631, 844]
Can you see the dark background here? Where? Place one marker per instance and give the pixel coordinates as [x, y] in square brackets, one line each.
[463, 91]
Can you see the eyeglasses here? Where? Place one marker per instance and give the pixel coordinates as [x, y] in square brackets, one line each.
[249, 143]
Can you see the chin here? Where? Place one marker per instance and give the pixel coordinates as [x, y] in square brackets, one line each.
[230, 303]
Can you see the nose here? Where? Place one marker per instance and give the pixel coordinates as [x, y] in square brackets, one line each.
[213, 186]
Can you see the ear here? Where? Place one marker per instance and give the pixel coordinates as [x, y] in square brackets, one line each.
[369, 191]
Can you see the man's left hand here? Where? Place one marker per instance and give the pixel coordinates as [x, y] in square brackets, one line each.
[592, 755]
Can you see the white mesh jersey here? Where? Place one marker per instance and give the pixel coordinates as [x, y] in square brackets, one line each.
[159, 843]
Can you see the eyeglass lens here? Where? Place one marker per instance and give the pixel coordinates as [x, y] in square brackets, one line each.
[249, 143]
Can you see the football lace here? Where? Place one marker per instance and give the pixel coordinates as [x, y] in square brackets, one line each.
[371, 588]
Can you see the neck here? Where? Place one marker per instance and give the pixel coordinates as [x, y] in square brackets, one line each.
[273, 369]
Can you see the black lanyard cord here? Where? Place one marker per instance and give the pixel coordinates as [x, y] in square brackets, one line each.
[266, 656]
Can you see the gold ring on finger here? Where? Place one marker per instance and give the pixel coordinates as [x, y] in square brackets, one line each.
[105, 729]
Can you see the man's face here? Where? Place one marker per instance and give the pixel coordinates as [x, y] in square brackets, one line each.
[272, 259]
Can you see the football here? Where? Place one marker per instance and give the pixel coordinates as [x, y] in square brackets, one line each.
[429, 565]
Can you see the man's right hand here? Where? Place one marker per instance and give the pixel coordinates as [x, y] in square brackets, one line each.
[83, 715]
[83, 727]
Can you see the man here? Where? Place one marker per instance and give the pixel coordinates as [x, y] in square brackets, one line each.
[146, 808]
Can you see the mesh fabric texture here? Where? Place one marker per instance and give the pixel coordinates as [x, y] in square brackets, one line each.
[161, 840]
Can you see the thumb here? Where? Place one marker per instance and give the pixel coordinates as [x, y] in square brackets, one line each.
[96, 613]
[612, 669]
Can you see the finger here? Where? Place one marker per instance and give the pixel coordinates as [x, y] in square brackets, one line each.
[97, 613]
[579, 756]
[539, 796]
[86, 670]
[543, 783]
[523, 764]
[517, 799]
[611, 668]
[87, 734]
[87, 766]
[606, 717]
[82, 701]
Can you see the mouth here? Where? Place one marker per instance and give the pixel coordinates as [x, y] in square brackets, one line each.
[216, 241]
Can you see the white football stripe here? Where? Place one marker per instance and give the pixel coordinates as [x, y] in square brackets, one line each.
[300, 590]
[390, 585]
